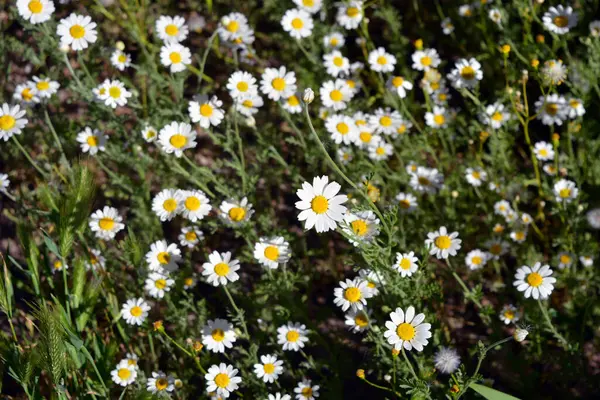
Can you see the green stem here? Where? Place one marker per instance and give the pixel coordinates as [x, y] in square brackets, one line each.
[56, 138]
[412, 370]
[238, 311]
[551, 327]
[28, 157]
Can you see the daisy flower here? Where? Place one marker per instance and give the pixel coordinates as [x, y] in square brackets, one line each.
[536, 282]
[380, 150]
[344, 154]
[95, 260]
[149, 133]
[220, 269]
[292, 336]
[496, 16]
[575, 107]
[399, 85]
[509, 313]
[446, 360]
[565, 260]
[175, 56]
[496, 248]
[475, 176]
[240, 83]
[232, 27]
[381, 61]
[11, 122]
[189, 282]
[291, 104]
[560, 19]
[361, 227]
[385, 121]
[334, 40]
[543, 151]
[437, 118]
[341, 128]
[58, 265]
[495, 115]
[298, 23]
[106, 223]
[124, 374]
[405, 330]
[249, 103]
[45, 87]
[466, 73]
[120, 60]
[426, 180]
[271, 252]
[447, 26]
[586, 261]
[312, 6]
[554, 72]
[350, 14]
[177, 137]
[466, 10]
[320, 204]
[26, 93]
[218, 335]
[306, 390]
[163, 256]
[476, 259]
[222, 379]
[91, 141]
[565, 191]
[77, 31]
[407, 202]
[359, 320]
[352, 294]
[171, 29]
[335, 94]
[336, 63]
[278, 83]
[406, 264]
[519, 235]
[115, 93]
[135, 311]
[279, 396]
[4, 183]
[552, 109]
[160, 383]
[365, 137]
[35, 11]
[157, 284]
[502, 207]
[236, 212]
[206, 111]
[373, 279]
[443, 244]
[269, 368]
[166, 204]
[194, 205]
[425, 59]
[190, 237]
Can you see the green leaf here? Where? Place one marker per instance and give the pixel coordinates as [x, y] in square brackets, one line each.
[491, 394]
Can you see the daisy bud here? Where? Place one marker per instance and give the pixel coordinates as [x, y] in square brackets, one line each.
[505, 49]
[395, 352]
[540, 39]
[535, 63]
[65, 48]
[520, 334]
[197, 346]
[454, 194]
[454, 389]
[225, 21]
[419, 44]
[309, 96]
[555, 138]
[251, 122]
[120, 45]
[360, 373]
[387, 377]
[158, 326]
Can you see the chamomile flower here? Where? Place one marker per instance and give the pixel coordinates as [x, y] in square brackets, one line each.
[292, 336]
[466, 10]
[575, 107]
[26, 93]
[496, 16]
[509, 314]
[361, 227]
[4, 183]
[269, 368]
[11, 122]
[519, 235]
[352, 294]
[222, 379]
[77, 31]
[554, 72]
[565, 190]
[586, 261]
[218, 335]
[334, 40]
[552, 109]
[405, 330]
[399, 85]
[149, 133]
[406, 202]
[189, 282]
[502, 207]
[194, 205]
[443, 244]
[335, 94]
[157, 284]
[426, 180]
[320, 204]
[350, 14]
[496, 248]
[385, 121]
[115, 93]
[344, 154]
[312, 6]
[235, 212]
[425, 59]
[446, 360]
[160, 383]
[466, 73]
[45, 87]
[437, 118]
[240, 83]
[175, 56]
[306, 390]
[171, 29]
[91, 141]
[560, 19]
[135, 311]
[58, 265]
[206, 111]
[595, 28]
[365, 136]
[526, 219]
[380, 150]
[123, 374]
[163, 256]
[543, 151]
[381, 61]
[177, 137]
[565, 260]
[495, 115]
[278, 83]
[271, 252]
[220, 269]
[447, 26]
[373, 279]
[475, 176]
[248, 104]
[406, 264]
[120, 60]
[35, 11]
[166, 204]
[106, 223]
[336, 63]
[291, 104]
[536, 281]
[298, 23]
[359, 320]
[342, 128]
[476, 259]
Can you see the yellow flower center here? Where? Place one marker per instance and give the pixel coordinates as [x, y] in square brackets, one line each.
[404, 204]
[405, 264]
[342, 128]
[222, 380]
[405, 331]
[423, 181]
[122, 58]
[333, 42]
[352, 12]
[42, 85]
[361, 320]
[365, 137]
[27, 94]
[218, 335]
[114, 92]
[269, 368]
[307, 392]
[495, 249]
[221, 269]
[497, 116]
[77, 31]
[171, 30]
[178, 141]
[292, 336]
[359, 227]
[443, 242]
[534, 279]
[160, 284]
[271, 253]
[247, 103]
[106, 223]
[170, 205]
[163, 257]
[242, 86]
[175, 57]
[426, 61]
[192, 203]
[552, 108]
[382, 60]
[57, 264]
[233, 26]
[543, 152]
[380, 151]
[439, 119]
[35, 6]
[161, 384]
[206, 110]
[319, 204]
[350, 83]
[385, 121]
[188, 281]
[565, 193]
[124, 373]
[293, 101]
[561, 21]
[237, 213]
[574, 103]
[509, 314]
[468, 73]
[476, 260]
[136, 311]
[92, 141]
[336, 95]
[519, 235]
[338, 61]
[476, 174]
[352, 294]
[191, 236]
[565, 259]
[397, 81]
[297, 23]
[278, 84]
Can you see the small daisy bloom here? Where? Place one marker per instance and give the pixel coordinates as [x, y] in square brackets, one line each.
[320, 204]
[291, 104]
[149, 133]
[374, 280]
[565, 260]
[502, 207]
[177, 137]
[163, 257]
[359, 320]
[278, 83]
[171, 29]
[536, 282]
[106, 223]
[77, 31]
[352, 294]
[115, 93]
[334, 40]
[233, 26]
[496, 248]
[166, 204]
[292, 336]
[447, 26]
[298, 23]
[380, 150]
[91, 141]
[407, 202]
[240, 83]
[218, 335]
[443, 244]
[575, 107]
[554, 72]
[236, 212]
[437, 118]
[57, 266]
[466, 10]
[344, 154]
[406, 264]
[425, 59]
[249, 103]
[466, 73]
[350, 14]
[342, 128]
[399, 85]
[269, 368]
[381, 61]
[495, 115]
[189, 282]
[544, 151]
[336, 63]
[560, 19]
[446, 360]
[175, 56]
[476, 259]
[26, 93]
[586, 261]
[405, 330]
[194, 205]
[306, 390]
[45, 87]
[475, 176]
[95, 260]
[120, 60]
[135, 311]
[312, 6]
[385, 121]
[279, 396]
[552, 109]
[35, 11]
[519, 235]
[222, 379]
[157, 284]
[496, 16]
[426, 180]
[123, 374]
[271, 252]
[509, 313]
[220, 269]
[11, 122]
[4, 183]
[565, 190]
[160, 383]
[206, 111]
[335, 94]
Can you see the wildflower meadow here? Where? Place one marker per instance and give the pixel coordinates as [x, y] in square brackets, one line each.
[299, 199]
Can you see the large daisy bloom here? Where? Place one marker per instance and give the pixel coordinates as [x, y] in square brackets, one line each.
[124, 374]
[11, 122]
[335, 94]
[271, 252]
[167, 204]
[278, 83]
[543, 151]
[135, 311]
[560, 19]
[35, 11]
[443, 244]
[163, 256]
[352, 294]
[381, 61]
[552, 109]
[342, 128]
[220, 268]
[292, 336]
[249, 103]
[361, 227]
[218, 335]
[171, 29]
[236, 212]
[536, 281]
[269, 368]
[350, 14]
[320, 204]
[565, 190]
[91, 141]
[77, 31]
[233, 26]
[466, 73]
[405, 330]
[222, 379]
[194, 205]
[177, 137]
[406, 264]
[298, 23]
[175, 56]
[106, 223]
